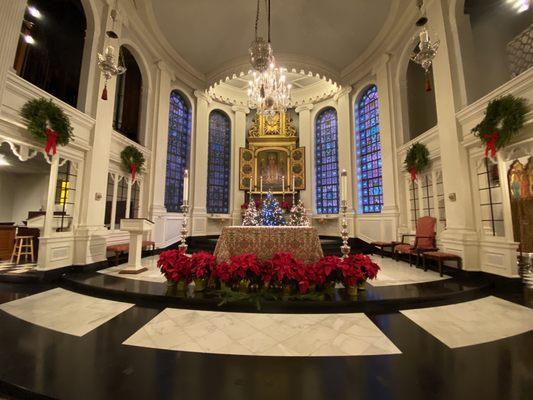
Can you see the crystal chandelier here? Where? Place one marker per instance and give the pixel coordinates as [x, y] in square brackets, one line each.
[106, 61]
[426, 50]
[268, 91]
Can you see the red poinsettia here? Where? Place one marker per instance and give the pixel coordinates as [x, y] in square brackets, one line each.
[327, 270]
[222, 272]
[202, 264]
[175, 265]
[351, 275]
[244, 266]
[285, 205]
[284, 267]
[366, 267]
[244, 206]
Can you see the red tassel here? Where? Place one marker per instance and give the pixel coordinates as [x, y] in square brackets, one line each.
[491, 144]
[412, 171]
[104, 92]
[428, 83]
[51, 141]
[133, 172]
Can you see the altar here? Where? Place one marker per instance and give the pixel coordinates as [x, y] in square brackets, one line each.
[265, 241]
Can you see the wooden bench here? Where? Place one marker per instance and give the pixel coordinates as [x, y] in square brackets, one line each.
[122, 248]
[440, 257]
[382, 245]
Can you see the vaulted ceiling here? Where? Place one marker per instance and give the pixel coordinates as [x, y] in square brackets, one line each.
[209, 34]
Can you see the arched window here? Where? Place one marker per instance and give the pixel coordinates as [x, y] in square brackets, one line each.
[326, 162]
[369, 179]
[178, 150]
[219, 156]
[128, 91]
[50, 48]
[421, 103]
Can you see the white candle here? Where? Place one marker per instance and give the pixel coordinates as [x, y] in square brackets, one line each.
[251, 185]
[424, 37]
[283, 184]
[344, 179]
[293, 186]
[261, 188]
[109, 50]
[186, 187]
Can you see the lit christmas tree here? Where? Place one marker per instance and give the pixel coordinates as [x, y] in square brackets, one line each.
[251, 216]
[298, 216]
[271, 213]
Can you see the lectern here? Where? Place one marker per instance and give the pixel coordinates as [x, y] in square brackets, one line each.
[136, 227]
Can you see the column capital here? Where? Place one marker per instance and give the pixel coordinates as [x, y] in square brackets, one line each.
[242, 109]
[202, 95]
[381, 62]
[304, 107]
[343, 92]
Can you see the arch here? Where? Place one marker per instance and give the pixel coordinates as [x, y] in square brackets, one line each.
[178, 149]
[53, 60]
[368, 151]
[421, 104]
[128, 95]
[219, 163]
[326, 161]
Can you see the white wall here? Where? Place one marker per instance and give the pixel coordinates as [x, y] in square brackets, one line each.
[20, 193]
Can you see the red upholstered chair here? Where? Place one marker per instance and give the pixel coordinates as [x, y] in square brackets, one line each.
[425, 240]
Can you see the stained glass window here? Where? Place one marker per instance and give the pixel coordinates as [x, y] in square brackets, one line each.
[369, 178]
[179, 143]
[219, 156]
[326, 162]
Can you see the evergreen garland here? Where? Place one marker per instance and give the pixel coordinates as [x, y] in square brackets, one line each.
[37, 112]
[133, 160]
[417, 159]
[504, 117]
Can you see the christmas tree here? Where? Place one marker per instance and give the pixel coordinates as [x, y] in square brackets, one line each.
[271, 213]
[251, 216]
[298, 216]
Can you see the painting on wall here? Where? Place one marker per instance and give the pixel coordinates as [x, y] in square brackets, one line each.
[272, 167]
[520, 179]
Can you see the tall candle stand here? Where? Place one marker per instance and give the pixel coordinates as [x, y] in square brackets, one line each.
[184, 223]
[345, 248]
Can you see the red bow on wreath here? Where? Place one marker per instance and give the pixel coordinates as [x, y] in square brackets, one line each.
[412, 171]
[133, 170]
[491, 143]
[51, 141]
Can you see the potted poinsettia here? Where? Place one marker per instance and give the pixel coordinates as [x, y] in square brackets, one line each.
[284, 267]
[365, 267]
[176, 266]
[327, 271]
[244, 269]
[202, 265]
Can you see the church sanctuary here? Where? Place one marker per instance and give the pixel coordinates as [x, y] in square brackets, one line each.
[266, 199]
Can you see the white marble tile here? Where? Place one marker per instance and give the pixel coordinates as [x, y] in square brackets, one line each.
[263, 334]
[152, 274]
[65, 311]
[400, 273]
[473, 322]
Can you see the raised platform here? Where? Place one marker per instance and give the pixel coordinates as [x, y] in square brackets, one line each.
[398, 287]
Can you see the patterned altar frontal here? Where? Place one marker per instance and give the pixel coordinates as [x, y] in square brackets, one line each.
[265, 241]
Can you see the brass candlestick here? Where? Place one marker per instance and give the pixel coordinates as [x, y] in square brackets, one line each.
[183, 237]
[345, 248]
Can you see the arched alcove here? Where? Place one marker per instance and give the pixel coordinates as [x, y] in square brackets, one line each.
[50, 49]
[421, 104]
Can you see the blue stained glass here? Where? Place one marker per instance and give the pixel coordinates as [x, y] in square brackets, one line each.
[369, 171]
[326, 162]
[178, 150]
[219, 156]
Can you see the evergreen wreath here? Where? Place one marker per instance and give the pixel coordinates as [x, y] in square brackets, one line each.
[132, 160]
[45, 120]
[417, 159]
[504, 117]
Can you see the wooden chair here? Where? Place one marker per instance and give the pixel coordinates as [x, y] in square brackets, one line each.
[425, 240]
[23, 247]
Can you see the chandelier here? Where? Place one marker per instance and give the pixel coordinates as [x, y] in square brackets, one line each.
[426, 50]
[268, 91]
[106, 61]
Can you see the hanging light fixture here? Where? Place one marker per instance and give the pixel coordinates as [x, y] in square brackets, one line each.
[106, 61]
[268, 91]
[426, 50]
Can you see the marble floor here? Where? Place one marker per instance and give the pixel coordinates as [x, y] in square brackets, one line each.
[391, 273]
[473, 322]
[263, 334]
[400, 273]
[65, 311]
[7, 267]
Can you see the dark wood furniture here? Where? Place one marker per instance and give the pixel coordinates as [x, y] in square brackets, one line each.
[383, 245]
[440, 257]
[7, 240]
[122, 248]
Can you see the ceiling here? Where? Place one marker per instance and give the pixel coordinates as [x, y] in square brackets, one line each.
[211, 33]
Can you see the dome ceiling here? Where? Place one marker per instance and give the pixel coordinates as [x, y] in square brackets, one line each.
[209, 34]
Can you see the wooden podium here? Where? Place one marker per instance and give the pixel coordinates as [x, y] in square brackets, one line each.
[136, 227]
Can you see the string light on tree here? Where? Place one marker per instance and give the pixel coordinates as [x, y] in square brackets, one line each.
[271, 213]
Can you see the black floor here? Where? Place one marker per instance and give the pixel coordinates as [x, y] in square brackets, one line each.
[40, 363]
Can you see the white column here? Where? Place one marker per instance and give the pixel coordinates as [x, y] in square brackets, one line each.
[11, 16]
[201, 148]
[306, 140]
[115, 179]
[345, 149]
[128, 197]
[460, 235]
[238, 141]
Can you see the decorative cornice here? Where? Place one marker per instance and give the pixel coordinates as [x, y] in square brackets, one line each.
[202, 95]
[304, 107]
[242, 109]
